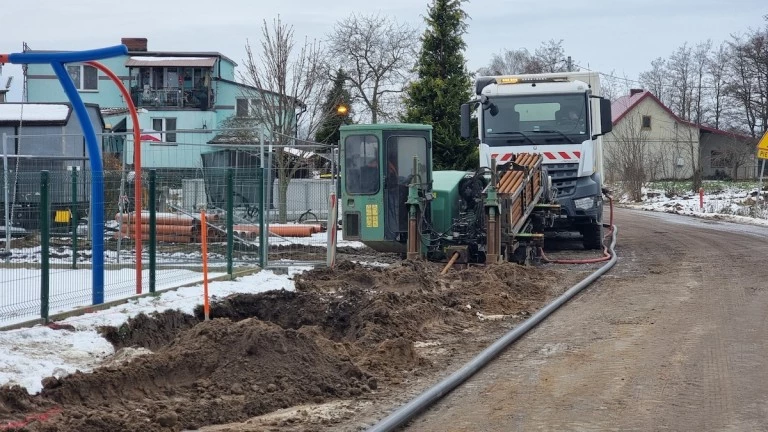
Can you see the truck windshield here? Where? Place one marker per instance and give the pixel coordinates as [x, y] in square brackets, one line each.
[536, 119]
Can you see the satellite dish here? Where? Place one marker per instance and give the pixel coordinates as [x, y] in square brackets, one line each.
[8, 84]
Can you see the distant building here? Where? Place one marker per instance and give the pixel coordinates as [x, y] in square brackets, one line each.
[4, 91]
[669, 144]
[40, 137]
[185, 91]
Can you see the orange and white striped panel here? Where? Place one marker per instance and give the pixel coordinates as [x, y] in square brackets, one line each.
[560, 156]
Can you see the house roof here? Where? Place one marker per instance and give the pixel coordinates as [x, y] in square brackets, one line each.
[299, 103]
[40, 114]
[179, 54]
[623, 105]
[34, 112]
[170, 61]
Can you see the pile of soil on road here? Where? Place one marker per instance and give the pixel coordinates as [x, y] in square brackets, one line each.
[343, 333]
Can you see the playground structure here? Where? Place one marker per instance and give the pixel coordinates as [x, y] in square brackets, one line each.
[57, 61]
[47, 281]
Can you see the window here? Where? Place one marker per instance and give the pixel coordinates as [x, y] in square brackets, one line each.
[719, 159]
[535, 119]
[164, 125]
[361, 164]
[85, 77]
[646, 122]
[247, 107]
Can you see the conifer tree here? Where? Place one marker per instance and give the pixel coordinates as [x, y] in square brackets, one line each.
[337, 110]
[443, 84]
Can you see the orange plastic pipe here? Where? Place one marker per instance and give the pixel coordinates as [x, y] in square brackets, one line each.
[167, 219]
[162, 229]
[281, 230]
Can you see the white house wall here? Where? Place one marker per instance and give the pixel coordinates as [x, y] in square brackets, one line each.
[670, 146]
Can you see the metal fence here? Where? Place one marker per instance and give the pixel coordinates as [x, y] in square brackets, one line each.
[246, 188]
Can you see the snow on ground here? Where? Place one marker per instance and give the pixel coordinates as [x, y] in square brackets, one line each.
[735, 202]
[70, 289]
[30, 354]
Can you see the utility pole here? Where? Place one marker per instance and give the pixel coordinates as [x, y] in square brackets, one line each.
[569, 63]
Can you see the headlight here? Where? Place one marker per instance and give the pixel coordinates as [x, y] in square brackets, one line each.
[584, 203]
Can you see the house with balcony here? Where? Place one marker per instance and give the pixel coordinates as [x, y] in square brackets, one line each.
[182, 98]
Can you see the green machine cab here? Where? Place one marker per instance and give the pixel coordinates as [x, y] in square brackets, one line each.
[377, 164]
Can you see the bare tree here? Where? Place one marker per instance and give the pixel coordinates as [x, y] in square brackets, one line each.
[716, 79]
[656, 80]
[551, 55]
[511, 62]
[680, 68]
[700, 59]
[613, 87]
[376, 54]
[548, 57]
[743, 87]
[287, 83]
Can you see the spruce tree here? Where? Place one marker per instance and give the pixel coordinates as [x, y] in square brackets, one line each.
[337, 96]
[443, 84]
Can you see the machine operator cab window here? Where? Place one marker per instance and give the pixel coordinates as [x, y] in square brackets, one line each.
[361, 159]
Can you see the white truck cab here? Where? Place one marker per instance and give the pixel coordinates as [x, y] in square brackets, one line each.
[561, 116]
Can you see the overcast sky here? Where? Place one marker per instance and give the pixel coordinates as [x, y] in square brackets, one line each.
[622, 36]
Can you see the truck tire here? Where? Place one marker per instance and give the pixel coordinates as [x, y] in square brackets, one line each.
[592, 236]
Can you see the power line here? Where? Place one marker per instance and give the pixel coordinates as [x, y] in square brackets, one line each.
[629, 80]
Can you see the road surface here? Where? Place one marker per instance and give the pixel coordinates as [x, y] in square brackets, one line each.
[675, 337]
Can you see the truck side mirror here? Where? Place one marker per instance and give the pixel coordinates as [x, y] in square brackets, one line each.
[606, 122]
[466, 116]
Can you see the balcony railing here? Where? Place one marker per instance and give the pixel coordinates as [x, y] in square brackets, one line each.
[173, 97]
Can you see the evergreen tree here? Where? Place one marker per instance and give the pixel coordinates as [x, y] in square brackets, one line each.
[443, 84]
[338, 96]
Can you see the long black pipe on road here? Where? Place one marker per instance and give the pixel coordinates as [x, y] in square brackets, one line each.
[433, 394]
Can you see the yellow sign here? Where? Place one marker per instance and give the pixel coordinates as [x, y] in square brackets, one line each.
[61, 216]
[371, 216]
[762, 154]
[763, 144]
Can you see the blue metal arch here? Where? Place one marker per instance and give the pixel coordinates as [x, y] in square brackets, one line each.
[57, 61]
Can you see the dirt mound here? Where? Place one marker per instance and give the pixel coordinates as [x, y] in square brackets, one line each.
[216, 372]
[149, 332]
[15, 399]
[342, 333]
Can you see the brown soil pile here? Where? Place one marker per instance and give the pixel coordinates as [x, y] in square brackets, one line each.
[341, 334]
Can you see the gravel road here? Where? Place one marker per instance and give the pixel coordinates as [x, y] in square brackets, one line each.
[675, 337]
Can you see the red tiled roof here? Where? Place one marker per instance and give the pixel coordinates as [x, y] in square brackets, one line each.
[623, 105]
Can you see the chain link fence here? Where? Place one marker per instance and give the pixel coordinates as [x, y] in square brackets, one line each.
[246, 186]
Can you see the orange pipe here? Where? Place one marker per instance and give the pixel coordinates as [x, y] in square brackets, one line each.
[287, 230]
[162, 229]
[161, 219]
[206, 306]
[508, 182]
[504, 180]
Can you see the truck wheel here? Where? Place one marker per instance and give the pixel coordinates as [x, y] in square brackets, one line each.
[593, 236]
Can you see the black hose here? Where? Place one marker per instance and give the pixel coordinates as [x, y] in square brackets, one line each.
[433, 394]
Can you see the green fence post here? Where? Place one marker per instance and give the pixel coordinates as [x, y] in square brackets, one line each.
[263, 214]
[73, 215]
[230, 219]
[45, 232]
[152, 229]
